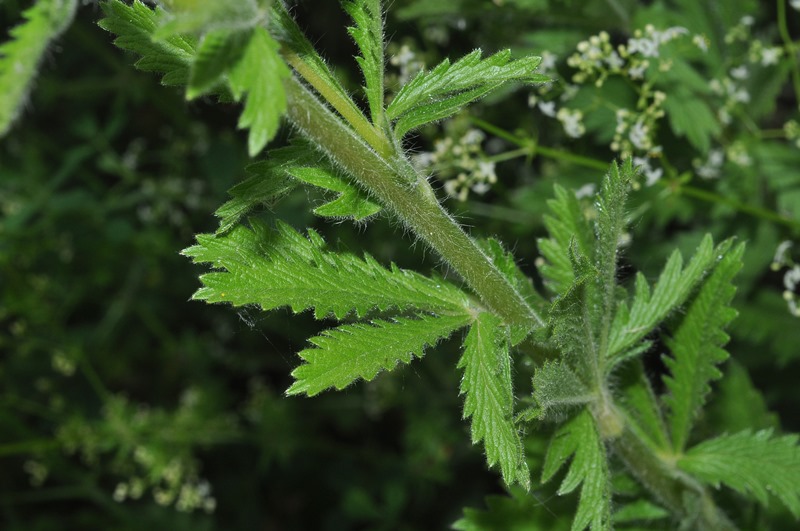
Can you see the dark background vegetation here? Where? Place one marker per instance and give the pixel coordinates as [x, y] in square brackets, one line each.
[109, 175]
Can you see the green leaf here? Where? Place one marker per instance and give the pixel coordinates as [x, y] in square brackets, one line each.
[567, 223]
[345, 354]
[217, 52]
[674, 285]
[368, 34]
[260, 74]
[753, 464]
[556, 390]
[489, 397]
[441, 92]
[284, 268]
[201, 16]
[518, 511]
[579, 438]
[505, 263]
[641, 405]
[696, 346]
[285, 30]
[691, 117]
[134, 26]
[609, 227]
[20, 56]
[638, 511]
[351, 202]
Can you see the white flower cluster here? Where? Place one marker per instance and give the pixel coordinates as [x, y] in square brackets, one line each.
[791, 279]
[460, 162]
[598, 58]
[710, 168]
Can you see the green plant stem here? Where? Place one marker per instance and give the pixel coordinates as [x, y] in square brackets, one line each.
[685, 498]
[791, 48]
[395, 183]
[343, 106]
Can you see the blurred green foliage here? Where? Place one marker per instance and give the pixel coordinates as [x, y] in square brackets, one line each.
[124, 406]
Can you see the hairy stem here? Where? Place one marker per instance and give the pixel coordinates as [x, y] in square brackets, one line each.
[685, 498]
[395, 183]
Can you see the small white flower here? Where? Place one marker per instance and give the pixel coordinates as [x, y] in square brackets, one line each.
[638, 135]
[646, 47]
[740, 72]
[548, 62]
[747, 20]
[637, 72]
[572, 122]
[792, 278]
[587, 190]
[795, 4]
[701, 42]
[548, 108]
[783, 247]
[770, 56]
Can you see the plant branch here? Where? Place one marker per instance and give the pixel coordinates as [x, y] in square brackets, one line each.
[684, 497]
[394, 182]
[343, 106]
[791, 47]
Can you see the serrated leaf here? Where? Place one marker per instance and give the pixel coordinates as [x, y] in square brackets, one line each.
[442, 91]
[638, 511]
[284, 268]
[572, 325]
[518, 511]
[360, 351]
[217, 52]
[696, 347]
[641, 405]
[134, 26]
[609, 227]
[753, 464]
[20, 56]
[556, 390]
[691, 117]
[674, 285]
[489, 397]
[351, 202]
[578, 438]
[565, 224]
[505, 263]
[368, 34]
[267, 180]
[260, 73]
[202, 16]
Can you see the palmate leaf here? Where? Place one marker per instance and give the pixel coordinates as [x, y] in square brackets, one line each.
[21, 54]
[754, 464]
[435, 94]
[368, 34]
[648, 309]
[696, 347]
[489, 397]
[579, 438]
[260, 74]
[134, 26]
[276, 268]
[359, 351]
